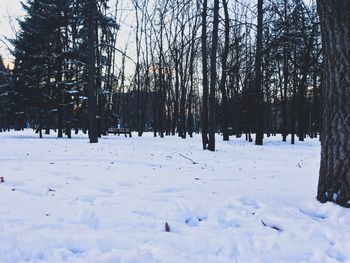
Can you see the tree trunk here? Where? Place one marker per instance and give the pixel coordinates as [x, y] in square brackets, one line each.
[213, 73]
[205, 77]
[285, 74]
[176, 102]
[334, 180]
[91, 74]
[259, 129]
[224, 104]
[41, 125]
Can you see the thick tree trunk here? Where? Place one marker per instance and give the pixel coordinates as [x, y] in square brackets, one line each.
[334, 180]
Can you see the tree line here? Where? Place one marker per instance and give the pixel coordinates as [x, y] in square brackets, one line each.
[209, 66]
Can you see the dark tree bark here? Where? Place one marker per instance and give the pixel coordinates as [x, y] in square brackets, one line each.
[92, 73]
[293, 117]
[176, 100]
[258, 79]
[60, 100]
[224, 104]
[285, 73]
[334, 180]
[213, 73]
[191, 77]
[205, 76]
[138, 80]
[41, 125]
[161, 80]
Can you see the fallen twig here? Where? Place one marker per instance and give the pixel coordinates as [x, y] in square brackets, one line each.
[273, 227]
[183, 156]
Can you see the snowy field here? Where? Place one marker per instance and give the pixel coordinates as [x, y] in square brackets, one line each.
[70, 201]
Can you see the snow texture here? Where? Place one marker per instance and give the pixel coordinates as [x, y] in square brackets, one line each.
[70, 201]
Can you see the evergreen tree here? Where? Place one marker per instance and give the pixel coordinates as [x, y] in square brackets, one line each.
[5, 95]
[51, 59]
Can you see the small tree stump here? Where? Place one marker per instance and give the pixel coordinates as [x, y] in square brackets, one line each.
[167, 227]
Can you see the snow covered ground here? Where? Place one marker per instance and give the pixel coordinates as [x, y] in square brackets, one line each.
[70, 201]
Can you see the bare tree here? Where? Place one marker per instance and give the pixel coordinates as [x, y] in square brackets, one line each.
[225, 110]
[204, 114]
[92, 73]
[259, 96]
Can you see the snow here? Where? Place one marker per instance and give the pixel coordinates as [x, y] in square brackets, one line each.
[70, 201]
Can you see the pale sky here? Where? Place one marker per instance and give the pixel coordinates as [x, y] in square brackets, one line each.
[13, 9]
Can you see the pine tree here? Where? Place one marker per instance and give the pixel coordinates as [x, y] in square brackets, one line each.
[51, 59]
[5, 95]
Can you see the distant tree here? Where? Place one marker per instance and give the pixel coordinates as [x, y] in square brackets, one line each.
[292, 68]
[35, 54]
[51, 64]
[334, 180]
[223, 80]
[259, 95]
[5, 95]
[92, 72]
[199, 65]
[213, 77]
[204, 115]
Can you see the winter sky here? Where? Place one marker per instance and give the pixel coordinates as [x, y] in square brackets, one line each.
[11, 10]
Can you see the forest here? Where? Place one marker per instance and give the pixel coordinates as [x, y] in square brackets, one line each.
[229, 68]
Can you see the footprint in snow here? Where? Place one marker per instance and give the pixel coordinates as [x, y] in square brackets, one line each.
[88, 199]
[313, 215]
[246, 201]
[195, 220]
[170, 190]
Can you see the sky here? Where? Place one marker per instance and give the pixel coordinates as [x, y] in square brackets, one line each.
[11, 11]
[9, 8]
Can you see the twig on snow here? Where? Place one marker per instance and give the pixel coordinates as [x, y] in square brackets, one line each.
[183, 156]
[273, 227]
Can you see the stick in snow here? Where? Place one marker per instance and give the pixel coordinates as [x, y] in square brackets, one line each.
[193, 162]
[273, 227]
